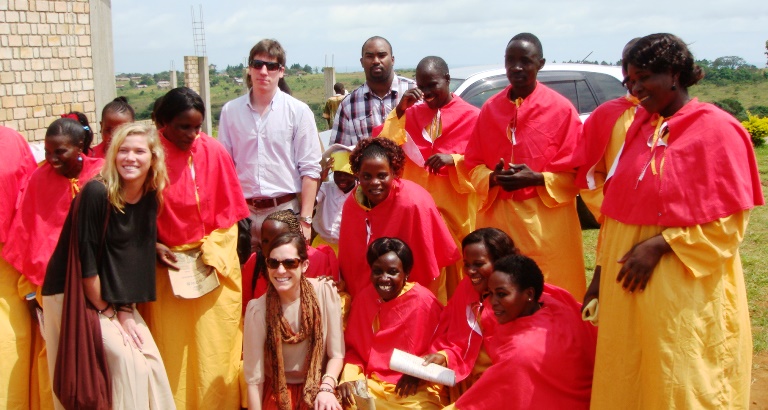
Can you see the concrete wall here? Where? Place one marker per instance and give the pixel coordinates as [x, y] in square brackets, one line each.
[47, 58]
[196, 77]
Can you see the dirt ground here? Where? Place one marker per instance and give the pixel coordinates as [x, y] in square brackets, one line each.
[759, 393]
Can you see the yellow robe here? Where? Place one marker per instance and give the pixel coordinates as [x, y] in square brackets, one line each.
[685, 341]
[23, 368]
[201, 340]
[454, 196]
[545, 228]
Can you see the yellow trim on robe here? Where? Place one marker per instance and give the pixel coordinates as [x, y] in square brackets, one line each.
[454, 196]
[593, 198]
[201, 340]
[685, 341]
[545, 228]
[482, 364]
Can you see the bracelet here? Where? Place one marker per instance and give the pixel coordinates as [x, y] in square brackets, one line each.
[335, 380]
[101, 312]
[125, 308]
[327, 390]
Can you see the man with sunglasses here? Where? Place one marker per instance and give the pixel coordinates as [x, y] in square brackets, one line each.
[367, 107]
[272, 138]
[522, 158]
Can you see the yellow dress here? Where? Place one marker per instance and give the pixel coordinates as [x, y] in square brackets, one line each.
[685, 341]
[453, 194]
[200, 340]
[545, 228]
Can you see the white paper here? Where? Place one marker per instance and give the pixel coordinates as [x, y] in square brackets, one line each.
[194, 278]
[409, 364]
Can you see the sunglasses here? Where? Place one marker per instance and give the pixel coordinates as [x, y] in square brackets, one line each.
[292, 263]
[271, 66]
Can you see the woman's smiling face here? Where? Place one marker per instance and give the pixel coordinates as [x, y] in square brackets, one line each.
[388, 276]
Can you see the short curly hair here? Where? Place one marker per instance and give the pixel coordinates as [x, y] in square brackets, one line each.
[378, 148]
[385, 245]
[663, 52]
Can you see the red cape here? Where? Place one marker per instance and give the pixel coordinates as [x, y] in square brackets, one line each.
[542, 361]
[16, 166]
[222, 203]
[36, 226]
[406, 322]
[99, 151]
[548, 130]
[455, 334]
[709, 170]
[598, 129]
[458, 120]
[322, 262]
[410, 214]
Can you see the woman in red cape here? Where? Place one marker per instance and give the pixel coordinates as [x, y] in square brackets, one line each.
[385, 205]
[542, 351]
[39, 219]
[467, 321]
[390, 313]
[199, 339]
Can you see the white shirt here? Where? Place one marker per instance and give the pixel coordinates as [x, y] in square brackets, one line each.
[271, 152]
[330, 202]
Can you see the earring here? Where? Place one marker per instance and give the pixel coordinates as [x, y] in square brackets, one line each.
[80, 158]
[529, 299]
[674, 86]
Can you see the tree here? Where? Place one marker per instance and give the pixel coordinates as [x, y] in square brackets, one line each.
[147, 79]
[211, 70]
[307, 69]
[732, 62]
[766, 51]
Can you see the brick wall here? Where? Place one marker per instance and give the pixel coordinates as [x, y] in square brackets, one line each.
[191, 75]
[47, 63]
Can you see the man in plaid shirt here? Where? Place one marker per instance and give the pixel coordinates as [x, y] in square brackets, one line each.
[368, 106]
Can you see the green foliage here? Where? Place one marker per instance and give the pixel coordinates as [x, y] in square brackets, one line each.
[732, 107]
[730, 70]
[147, 79]
[759, 110]
[758, 129]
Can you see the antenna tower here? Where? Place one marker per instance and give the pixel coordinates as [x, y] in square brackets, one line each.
[198, 33]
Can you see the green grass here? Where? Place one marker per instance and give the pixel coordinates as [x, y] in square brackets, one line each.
[748, 94]
[754, 254]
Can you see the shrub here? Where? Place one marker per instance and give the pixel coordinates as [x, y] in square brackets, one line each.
[758, 129]
[732, 107]
[760, 111]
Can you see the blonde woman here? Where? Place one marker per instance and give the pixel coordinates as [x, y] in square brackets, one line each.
[116, 230]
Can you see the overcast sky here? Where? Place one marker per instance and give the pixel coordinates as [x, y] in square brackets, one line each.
[149, 35]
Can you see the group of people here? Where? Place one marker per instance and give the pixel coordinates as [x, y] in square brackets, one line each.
[447, 232]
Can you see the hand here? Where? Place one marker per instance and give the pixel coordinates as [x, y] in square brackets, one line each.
[165, 256]
[32, 305]
[498, 169]
[640, 261]
[326, 401]
[437, 161]
[306, 230]
[327, 168]
[594, 288]
[127, 339]
[410, 97]
[519, 177]
[346, 391]
[407, 385]
[435, 358]
[128, 322]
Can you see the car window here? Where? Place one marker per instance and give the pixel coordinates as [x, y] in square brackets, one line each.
[455, 83]
[605, 87]
[567, 89]
[478, 93]
[587, 102]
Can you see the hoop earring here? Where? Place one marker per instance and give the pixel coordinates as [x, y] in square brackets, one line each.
[674, 86]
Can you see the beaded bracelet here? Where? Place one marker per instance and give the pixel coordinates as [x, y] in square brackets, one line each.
[101, 312]
[327, 390]
[335, 380]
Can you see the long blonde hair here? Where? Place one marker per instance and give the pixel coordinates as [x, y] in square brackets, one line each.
[157, 176]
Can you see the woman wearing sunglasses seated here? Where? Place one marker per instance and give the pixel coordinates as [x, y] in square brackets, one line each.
[290, 332]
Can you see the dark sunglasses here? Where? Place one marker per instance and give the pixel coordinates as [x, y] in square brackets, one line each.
[271, 66]
[292, 263]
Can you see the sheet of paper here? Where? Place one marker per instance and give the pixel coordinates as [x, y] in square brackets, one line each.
[194, 278]
[409, 364]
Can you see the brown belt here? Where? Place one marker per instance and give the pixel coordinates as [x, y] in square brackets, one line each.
[261, 203]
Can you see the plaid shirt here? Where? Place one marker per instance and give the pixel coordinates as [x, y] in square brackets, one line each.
[361, 111]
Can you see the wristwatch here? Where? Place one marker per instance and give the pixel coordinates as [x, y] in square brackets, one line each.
[306, 219]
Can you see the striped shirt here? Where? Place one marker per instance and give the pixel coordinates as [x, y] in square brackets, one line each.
[361, 111]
